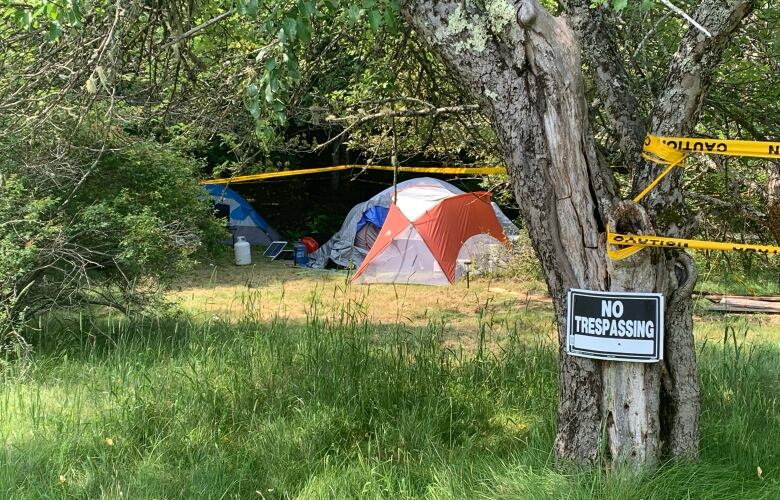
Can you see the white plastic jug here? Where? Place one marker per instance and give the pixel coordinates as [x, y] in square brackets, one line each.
[243, 251]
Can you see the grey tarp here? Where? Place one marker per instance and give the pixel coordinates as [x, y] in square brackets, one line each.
[341, 248]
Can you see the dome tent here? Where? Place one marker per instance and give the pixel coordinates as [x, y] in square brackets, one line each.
[347, 247]
[244, 220]
[429, 234]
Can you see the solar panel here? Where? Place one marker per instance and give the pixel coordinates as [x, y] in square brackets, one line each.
[274, 249]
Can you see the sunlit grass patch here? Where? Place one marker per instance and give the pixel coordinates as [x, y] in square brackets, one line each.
[269, 289]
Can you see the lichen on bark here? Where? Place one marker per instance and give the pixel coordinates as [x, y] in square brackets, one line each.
[474, 27]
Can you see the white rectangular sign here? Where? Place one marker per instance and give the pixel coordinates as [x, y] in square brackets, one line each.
[617, 326]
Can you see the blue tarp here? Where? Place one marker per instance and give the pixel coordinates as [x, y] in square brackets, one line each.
[375, 215]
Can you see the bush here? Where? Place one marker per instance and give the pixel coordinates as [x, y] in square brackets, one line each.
[90, 216]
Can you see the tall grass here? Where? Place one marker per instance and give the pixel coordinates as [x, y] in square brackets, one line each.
[336, 407]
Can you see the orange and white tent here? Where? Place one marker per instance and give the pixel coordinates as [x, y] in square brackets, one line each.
[429, 235]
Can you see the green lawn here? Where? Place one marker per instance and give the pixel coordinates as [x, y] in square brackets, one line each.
[340, 403]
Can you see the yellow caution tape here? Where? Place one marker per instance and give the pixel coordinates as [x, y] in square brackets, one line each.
[307, 171]
[273, 175]
[440, 170]
[671, 151]
[685, 145]
[655, 181]
[634, 243]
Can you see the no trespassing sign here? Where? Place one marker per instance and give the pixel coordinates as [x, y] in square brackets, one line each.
[616, 326]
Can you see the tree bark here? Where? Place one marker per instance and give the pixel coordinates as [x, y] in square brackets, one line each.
[676, 111]
[613, 84]
[523, 66]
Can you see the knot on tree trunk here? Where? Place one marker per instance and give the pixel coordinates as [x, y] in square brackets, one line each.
[686, 276]
[526, 13]
[630, 217]
[637, 272]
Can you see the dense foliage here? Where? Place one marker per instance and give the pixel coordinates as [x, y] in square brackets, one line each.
[85, 228]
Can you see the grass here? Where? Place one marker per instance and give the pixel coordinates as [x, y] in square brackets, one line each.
[738, 274]
[161, 408]
[327, 395]
[271, 288]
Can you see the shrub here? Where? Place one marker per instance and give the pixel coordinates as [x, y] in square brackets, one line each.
[90, 216]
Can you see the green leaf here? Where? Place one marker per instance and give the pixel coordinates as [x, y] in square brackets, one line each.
[307, 9]
[354, 12]
[647, 4]
[75, 14]
[55, 32]
[279, 112]
[270, 64]
[392, 25]
[248, 7]
[254, 109]
[304, 30]
[269, 93]
[290, 27]
[252, 90]
[619, 4]
[292, 67]
[375, 19]
[25, 18]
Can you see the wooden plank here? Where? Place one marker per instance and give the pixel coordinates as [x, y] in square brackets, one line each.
[740, 304]
[717, 297]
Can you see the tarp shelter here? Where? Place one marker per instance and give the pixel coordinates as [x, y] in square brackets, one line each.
[244, 220]
[350, 245]
[428, 236]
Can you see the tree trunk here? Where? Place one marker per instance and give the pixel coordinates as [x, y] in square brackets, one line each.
[523, 66]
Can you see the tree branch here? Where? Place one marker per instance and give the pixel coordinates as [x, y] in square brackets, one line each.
[361, 119]
[197, 28]
[389, 113]
[669, 5]
[678, 106]
[613, 84]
